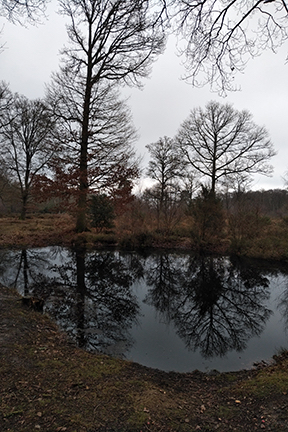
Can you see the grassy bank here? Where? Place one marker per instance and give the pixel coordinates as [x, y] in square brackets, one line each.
[268, 241]
[36, 231]
[47, 384]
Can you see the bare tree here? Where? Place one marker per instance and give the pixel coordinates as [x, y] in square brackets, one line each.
[222, 143]
[19, 11]
[26, 143]
[219, 37]
[166, 168]
[111, 41]
[110, 155]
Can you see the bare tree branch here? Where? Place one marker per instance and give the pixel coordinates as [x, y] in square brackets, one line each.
[219, 37]
[21, 11]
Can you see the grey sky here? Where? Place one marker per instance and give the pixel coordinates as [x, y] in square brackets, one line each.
[32, 53]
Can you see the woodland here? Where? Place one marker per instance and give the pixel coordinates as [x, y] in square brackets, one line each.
[73, 152]
[200, 197]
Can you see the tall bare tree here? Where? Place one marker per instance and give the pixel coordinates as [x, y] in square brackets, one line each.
[109, 41]
[222, 143]
[219, 37]
[26, 143]
[110, 155]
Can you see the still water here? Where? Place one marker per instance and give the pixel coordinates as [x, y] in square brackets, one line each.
[169, 311]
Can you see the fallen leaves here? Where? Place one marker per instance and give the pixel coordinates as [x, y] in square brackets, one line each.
[43, 389]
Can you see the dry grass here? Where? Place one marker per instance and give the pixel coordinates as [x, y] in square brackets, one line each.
[36, 230]
[271, 242]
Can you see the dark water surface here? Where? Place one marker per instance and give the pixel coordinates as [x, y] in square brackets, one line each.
[170, 311]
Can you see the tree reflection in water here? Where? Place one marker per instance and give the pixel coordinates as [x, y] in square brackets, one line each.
[283, 306]
[216, 304]
[88, 295]
[102, 307]
[165, 273]
[20, 268]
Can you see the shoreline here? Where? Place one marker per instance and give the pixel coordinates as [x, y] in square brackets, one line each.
[58, 230]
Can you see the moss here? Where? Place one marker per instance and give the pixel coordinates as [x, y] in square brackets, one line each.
[13, 413]
[269, 382]
[100, 367]
[137, 419]
[52, 364]
[226, 412]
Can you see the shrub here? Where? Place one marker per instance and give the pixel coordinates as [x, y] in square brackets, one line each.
[102, 212]
[209, 220]
[142, 240]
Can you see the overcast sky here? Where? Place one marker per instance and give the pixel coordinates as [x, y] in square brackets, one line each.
[31, 54]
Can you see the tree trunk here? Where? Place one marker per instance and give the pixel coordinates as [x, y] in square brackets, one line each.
[81, 224]
[24, 205]
[213, 174]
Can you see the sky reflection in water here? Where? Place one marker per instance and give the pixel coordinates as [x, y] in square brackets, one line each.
[169, 311]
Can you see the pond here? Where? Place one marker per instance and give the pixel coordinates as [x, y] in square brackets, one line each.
[170, 311]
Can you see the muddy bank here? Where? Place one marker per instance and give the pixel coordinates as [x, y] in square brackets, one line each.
[48, 384]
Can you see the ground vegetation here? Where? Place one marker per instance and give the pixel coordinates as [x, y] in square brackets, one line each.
[49, 384]
[255, 225]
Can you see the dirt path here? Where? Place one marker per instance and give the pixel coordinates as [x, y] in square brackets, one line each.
[47, 384]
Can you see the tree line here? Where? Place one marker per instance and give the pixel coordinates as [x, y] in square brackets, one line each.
[79, 139]
[204, 171]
